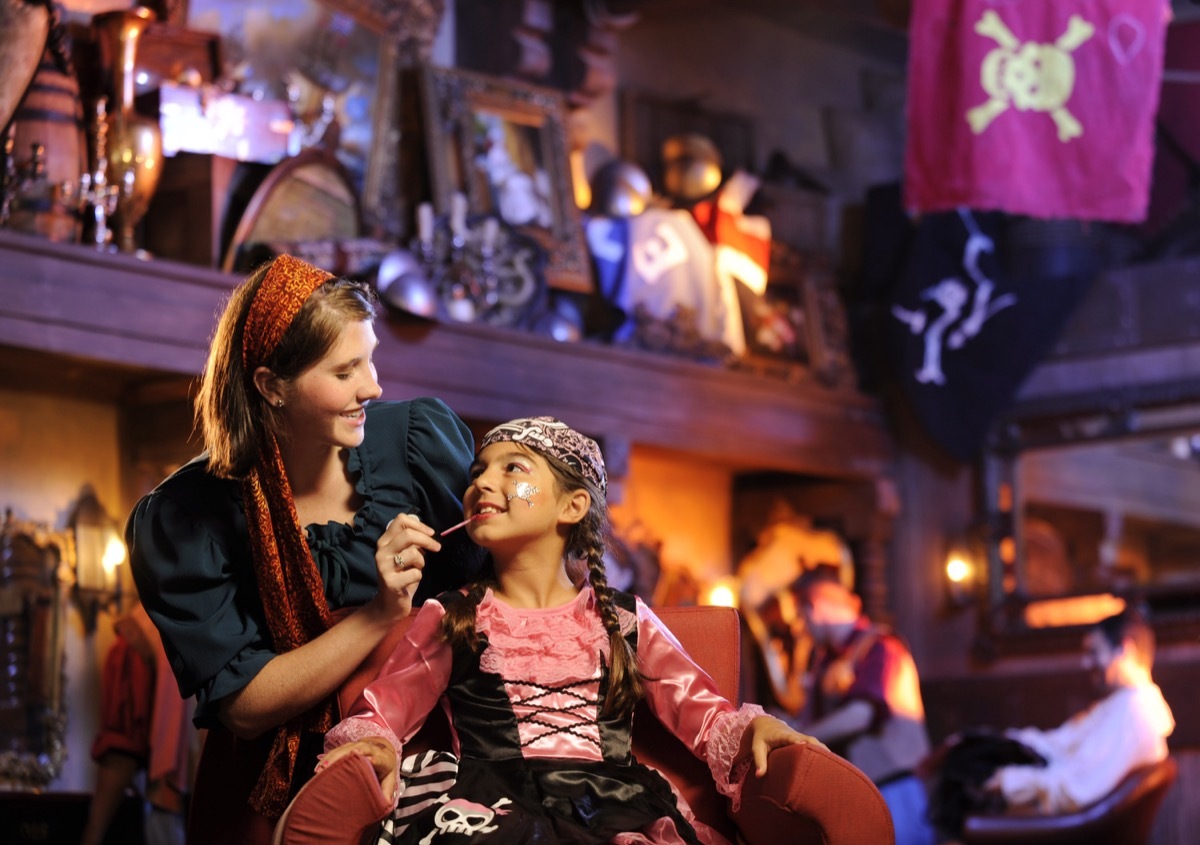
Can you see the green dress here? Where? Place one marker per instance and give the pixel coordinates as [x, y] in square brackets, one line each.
[190, 551]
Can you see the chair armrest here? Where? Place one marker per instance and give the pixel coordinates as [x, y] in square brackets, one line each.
[815, 796]
[337, 806]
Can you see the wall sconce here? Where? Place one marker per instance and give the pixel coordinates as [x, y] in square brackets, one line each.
[99, 554]
[963, 571]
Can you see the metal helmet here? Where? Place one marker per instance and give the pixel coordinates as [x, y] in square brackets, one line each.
[691, 167]
[620, 189]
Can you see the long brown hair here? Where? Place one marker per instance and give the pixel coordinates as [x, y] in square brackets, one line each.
[231, 415]
[586, 541]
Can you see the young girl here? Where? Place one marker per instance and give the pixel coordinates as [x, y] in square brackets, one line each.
[539, 667]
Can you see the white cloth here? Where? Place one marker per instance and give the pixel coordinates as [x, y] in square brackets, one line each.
[666, 263]
[1089, 754]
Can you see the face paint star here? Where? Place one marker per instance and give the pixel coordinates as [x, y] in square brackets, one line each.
[525, 491]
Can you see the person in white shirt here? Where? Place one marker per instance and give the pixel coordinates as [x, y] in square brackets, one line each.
[1090, 753]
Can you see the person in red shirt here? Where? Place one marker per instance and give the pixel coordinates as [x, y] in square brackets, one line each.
[863, 698]
[145, 726]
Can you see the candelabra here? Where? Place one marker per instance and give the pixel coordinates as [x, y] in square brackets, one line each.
[478, 269]
[98, 199]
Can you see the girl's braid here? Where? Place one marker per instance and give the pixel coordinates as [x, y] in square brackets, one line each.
[458, 625]
[625, 681]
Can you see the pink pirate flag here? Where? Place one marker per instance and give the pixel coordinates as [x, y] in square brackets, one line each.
[1037, 107]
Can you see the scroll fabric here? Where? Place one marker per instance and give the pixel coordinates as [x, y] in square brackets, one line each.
[1034, 107]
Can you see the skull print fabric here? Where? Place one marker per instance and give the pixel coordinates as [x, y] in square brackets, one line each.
[1033, 107]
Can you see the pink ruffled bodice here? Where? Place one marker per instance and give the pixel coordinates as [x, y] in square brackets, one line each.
[554, 644]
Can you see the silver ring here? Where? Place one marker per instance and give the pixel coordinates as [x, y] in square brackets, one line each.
[398, 559]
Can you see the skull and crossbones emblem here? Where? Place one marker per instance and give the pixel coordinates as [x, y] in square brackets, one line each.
[461, 816]
[1028, 76]
[956, 324]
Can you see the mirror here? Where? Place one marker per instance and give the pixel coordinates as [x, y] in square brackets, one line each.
[34, 567]
[1087, 512]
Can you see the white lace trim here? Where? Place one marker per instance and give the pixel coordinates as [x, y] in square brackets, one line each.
[724, 742]
[355, 728]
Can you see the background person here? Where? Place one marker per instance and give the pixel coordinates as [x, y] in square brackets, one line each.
[863, 699]
[311, 500]
[1089, 754]
[145, 727]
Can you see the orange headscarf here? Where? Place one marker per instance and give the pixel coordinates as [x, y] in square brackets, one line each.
[290, 587]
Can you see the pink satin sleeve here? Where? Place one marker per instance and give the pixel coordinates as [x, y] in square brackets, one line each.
[402, 696]
[685, 699]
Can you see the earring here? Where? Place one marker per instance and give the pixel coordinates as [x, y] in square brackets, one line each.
[278, 403]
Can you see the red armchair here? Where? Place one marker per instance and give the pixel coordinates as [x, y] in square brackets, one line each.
[809, 795]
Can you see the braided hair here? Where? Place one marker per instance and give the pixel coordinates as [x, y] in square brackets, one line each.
[586, 541]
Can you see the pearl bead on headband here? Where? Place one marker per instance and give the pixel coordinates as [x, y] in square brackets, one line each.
[557, 439]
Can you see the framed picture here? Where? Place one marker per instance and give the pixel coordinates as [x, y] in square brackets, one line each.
[334, 63]
[503, 144]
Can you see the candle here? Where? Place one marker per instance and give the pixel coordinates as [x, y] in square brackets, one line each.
[425, 223]
[458, 215]
[491, 229]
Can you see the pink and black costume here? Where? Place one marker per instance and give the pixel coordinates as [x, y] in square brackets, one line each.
[532, 758]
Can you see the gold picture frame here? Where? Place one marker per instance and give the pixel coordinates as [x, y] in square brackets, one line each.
[339, 60]
[503, 144]
[797, 327]
[407, 29]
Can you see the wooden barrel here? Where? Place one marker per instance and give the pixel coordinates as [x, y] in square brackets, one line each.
[51, 114]
[23, 31]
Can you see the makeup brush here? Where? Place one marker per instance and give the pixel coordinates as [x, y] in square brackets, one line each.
[456, 527]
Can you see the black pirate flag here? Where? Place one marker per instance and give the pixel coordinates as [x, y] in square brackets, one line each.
[980, 301]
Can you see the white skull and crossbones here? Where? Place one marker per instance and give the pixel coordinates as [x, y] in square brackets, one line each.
[951, 295]
[461, 816]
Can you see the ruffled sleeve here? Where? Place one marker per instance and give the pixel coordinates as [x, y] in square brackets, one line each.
[193, 573]
[396, 704]
[416, 459]
[685, 699]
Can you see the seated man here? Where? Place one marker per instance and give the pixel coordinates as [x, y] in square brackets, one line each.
[1089, 754]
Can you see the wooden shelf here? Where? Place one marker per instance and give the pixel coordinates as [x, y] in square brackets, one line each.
[142, 322]
[1134, 341]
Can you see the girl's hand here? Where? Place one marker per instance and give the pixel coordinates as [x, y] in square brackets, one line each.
[377, 750]
[765, 733]
[399, 559]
